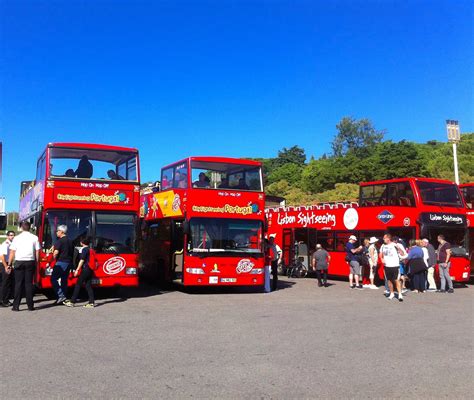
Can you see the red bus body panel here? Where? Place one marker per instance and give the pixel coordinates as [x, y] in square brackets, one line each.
[469, 200]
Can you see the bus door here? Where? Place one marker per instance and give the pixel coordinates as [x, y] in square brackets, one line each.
[406, 234]
[287, 247]
[177, 249]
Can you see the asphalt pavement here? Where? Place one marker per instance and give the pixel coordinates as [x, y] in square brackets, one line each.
[300, 342]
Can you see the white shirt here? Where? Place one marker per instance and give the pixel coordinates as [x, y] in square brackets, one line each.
[390, 255]
[25, 246]
[426, 256]
[5, 249]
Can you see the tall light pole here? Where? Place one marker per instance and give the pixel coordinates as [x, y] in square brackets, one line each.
[454, 137]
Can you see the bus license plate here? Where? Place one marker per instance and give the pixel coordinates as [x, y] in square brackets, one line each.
[228, 280]
[213, 279]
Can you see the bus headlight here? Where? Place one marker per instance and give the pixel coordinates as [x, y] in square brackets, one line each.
[131, 271]
[196, 271]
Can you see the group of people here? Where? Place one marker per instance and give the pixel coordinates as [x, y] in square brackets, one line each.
[412, 265]
[19, 255]
[85, 170]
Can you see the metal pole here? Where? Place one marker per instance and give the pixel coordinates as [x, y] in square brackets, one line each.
[456, 172]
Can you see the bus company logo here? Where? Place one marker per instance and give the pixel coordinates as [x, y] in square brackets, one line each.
[114, 265]
[94, 198]
[385, 216]
[351, 218]
[244, 265]
[175, 206]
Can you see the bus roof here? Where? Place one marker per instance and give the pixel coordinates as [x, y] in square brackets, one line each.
[92, 146]
[470, 184]
[395, 180]
[223, 160]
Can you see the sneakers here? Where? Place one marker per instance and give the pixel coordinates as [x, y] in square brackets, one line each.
[441, 291]
[431, 290]
[391, 296]
[61, 300]
[400, 298]
[451, 291]
[89, 305]
[373, 287]
[404, 290]
[68, 303]
[352, 286]
[360, 287]
[366, 286]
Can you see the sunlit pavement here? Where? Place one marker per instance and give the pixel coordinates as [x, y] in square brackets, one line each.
[299, 342]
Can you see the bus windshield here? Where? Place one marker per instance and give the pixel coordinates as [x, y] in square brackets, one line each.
[212, 175]
[212, 235]
[92, 164]
[445, 194]
[114, 232]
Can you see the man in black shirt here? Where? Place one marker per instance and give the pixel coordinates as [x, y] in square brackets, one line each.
[63, 252]
[84, 169]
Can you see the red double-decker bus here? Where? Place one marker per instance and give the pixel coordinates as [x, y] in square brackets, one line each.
[206, 225]
[409, 208]
[95, 191]
[467, 191]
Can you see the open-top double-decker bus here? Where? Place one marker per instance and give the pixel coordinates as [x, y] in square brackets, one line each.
[206, 225]
[408, 208]
[95, 191]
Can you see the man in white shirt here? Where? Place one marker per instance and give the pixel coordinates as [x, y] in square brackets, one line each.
[7, 276]
[25, 251]
[389, 254]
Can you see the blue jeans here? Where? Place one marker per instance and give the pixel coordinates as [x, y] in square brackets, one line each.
[267, 279]
[60, 271]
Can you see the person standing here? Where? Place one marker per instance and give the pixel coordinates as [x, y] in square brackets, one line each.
[373, 256]
[24, 250]
[274, 256]
[354, 264]
[444, 264]
[391, 261]
[268, 266]
[84, 168]
[320, 264]
[417, 267]
[85, 277]
[63, 252]
[7, 275]
[431, 265]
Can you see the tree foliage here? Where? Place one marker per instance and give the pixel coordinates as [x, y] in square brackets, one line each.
[355, 136]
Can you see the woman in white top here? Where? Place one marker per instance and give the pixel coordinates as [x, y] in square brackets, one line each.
[373, 260]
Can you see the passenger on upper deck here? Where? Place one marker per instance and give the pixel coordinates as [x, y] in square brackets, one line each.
[224, 183]
[69, 173]
[242, 184]
[113, 175]
[85, 168]
[203, 181]
[180, 180]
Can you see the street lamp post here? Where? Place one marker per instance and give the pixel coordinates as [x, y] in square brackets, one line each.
[454, 137]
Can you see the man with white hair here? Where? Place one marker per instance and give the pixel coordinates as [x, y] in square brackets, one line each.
[320, 264]
[63, 252]
[431, 264]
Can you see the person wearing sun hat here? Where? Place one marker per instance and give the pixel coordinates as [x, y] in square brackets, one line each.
[373, 261]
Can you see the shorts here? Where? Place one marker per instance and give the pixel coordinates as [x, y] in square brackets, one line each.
[402, 269]
[354, 267]
[392, 273]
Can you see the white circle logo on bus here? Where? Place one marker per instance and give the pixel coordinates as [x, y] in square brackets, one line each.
[114, 265]
[176, 203]
[351, 218]
[406, 221]
[244, 265]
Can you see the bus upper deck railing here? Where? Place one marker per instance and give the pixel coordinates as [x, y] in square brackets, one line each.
[317, 206]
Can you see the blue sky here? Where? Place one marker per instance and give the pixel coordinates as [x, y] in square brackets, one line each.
[231, 78]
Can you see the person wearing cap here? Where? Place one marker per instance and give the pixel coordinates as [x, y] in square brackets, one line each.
[431, 264]
[354, 264]
[320, 264]
[63, 253]
[389, 255]
[24, 250]
[373, 261]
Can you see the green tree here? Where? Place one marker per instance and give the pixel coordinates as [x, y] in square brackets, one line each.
[295, 155]
[355, 136]
[290, 172]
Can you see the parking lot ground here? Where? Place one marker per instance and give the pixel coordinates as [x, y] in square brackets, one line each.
[299, 342]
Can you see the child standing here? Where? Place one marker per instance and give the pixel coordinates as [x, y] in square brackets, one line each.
[85, 277]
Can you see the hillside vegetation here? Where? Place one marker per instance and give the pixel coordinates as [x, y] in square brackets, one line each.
[360, 153]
